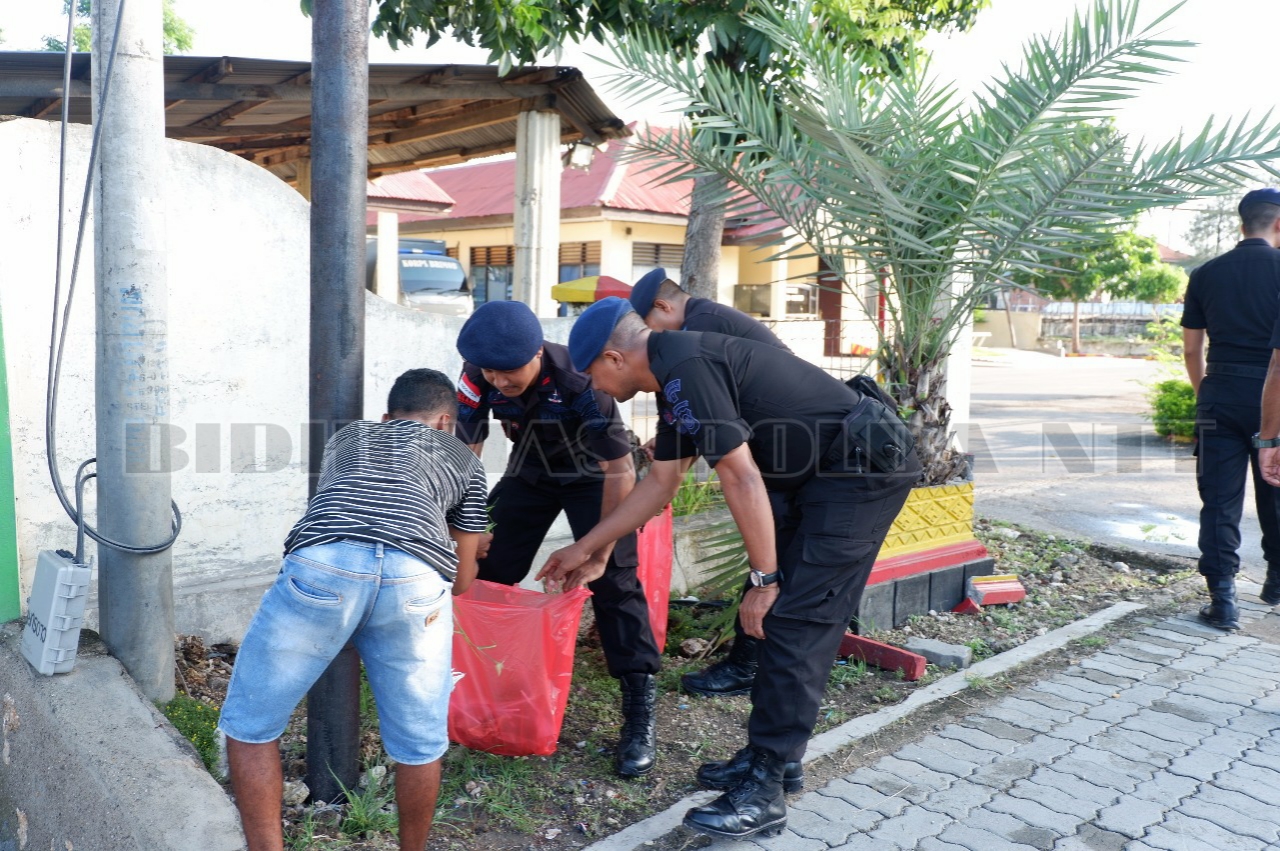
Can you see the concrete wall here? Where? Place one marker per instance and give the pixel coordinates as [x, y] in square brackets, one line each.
[238, 343]
[1017, 330]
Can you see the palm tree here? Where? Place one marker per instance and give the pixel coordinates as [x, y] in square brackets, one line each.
[945, 198]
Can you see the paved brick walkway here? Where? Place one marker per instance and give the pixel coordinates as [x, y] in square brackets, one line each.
[1163, 741]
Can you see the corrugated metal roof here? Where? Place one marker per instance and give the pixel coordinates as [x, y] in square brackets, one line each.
[260, 109]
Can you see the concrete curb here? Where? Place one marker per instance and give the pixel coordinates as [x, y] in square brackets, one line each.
[837, 738]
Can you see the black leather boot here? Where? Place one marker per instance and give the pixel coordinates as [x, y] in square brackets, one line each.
[727, 773]
[733, 674]
[1271, 587]
[1221, 611]
[638, 741]
[754, 806]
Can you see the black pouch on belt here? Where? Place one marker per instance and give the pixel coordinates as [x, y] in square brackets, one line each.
[872, 431]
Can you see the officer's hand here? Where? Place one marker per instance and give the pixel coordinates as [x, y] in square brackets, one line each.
[756, 603]
[1269, 463]
[648, 447]
[589, 571]
[561, 563]
[482, 548]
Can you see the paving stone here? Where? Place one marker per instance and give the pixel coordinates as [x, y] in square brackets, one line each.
[1109, 667]
[1178, 727]
[873, 790]
[1043, 749]
[788, 841]
[1255, 781]
[840, 811]
[1143, 693]
[941, 653]
[1148, 638]
[1177, 638]
[1267, 747]
[863, 842]
[1170, 677]
[1019, 718]
[1194, 664]
[1079, 730]
[1036, 710]
[814, 826]
[1035, 814]
[1256, 660]
[915, 773]
[1197, 708]
[1166, 789]
[1183, 833]
[1085, 788]
[1057, 800]
[1190, 625]
[1111, 761]
[1216, 693]
[1126, 661]
[1151, 648]
[959, 798]
[961, 749]
[998, 728]
[1138, 747]
[1230, 743]
[1240, 677]
[1010, 829]
[1112, 711]
[1054, 701]
[1130, 817]
[1214, 650]
[975, 839]
[1090, 838]
[1097, 773]
[1239, 640]
[1004, 772]
[933, 843]
[1077, 689]
[907, 828]
[1252, 721]
[1139, 654]
[1098, 678]
[1233, 811]
[1200, 765]
[1269, 702]
[979, 739]
[946, 756]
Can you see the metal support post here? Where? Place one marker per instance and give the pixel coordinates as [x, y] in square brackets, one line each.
[537, 211]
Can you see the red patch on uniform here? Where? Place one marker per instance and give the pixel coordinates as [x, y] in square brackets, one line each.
[468, 392]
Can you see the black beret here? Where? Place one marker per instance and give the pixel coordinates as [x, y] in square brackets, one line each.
[646, 290]
[1257, 196]
[592, 330]
[500, 335]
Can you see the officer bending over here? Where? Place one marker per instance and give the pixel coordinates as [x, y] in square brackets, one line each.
[812, 513]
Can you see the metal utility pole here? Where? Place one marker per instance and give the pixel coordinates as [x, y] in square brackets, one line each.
[135, 592]
[339, 164]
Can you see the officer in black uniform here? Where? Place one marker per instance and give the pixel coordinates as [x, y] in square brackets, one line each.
[1233, 299]
[571, 453]
[812, 512]
[664, 306]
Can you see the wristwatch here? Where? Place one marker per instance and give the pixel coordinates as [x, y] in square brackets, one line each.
[1268, 443]
[760, 579]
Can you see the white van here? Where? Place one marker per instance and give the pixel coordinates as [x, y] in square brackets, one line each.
[430, 279]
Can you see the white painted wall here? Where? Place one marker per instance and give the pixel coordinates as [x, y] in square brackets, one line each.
[238, 301]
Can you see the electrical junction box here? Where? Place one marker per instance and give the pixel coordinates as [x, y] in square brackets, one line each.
[55, 611]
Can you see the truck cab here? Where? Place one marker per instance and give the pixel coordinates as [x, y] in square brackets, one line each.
[430, 280]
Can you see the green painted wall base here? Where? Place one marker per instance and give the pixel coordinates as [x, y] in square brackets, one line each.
[10, 601]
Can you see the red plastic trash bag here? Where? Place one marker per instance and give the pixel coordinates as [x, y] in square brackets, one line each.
[515, 649]
[654, 543]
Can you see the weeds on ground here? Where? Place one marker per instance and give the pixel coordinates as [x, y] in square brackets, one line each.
[198, 723]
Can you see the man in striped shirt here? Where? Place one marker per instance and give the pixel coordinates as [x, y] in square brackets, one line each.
[393, 528]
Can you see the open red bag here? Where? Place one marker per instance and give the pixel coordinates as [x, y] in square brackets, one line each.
[515, 648]
[654, 543]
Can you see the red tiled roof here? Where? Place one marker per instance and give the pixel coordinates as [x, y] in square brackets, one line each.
[1171, 255]
[409, 186]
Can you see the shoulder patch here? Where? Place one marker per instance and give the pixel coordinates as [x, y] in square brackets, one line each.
[468, 392]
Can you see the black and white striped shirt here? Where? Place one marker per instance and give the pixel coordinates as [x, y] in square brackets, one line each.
[400, 483]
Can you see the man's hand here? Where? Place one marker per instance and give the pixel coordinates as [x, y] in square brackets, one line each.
[755, 605]
[1269, 463]
[563, 562]
[649, 446]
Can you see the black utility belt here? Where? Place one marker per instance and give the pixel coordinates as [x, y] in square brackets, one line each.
[872, 433]
[1236, 369]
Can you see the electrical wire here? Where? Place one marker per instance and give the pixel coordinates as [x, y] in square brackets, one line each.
[57, 338]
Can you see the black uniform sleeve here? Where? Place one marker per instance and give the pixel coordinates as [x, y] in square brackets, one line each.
[699, 413]
[605, 432]
[1192, 310]
[473, 406]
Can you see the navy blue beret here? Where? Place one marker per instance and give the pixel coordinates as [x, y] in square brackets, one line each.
[500, 335]
[592, 330]
[1257, 196]
[646, 290]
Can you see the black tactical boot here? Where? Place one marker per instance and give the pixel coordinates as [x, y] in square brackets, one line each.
[754, 806]
[1221, 611]
[1271, 587]
[733, 674]
[638, 742]
[728, 773]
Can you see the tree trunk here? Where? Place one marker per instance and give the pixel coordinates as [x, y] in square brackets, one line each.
[1075, 328]
[700, 270]
[924, 394]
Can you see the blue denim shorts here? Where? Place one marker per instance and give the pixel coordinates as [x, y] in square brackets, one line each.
[395, 609]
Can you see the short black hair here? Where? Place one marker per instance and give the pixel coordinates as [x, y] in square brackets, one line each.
[669, 290]
[1258, 217]
[422, 391]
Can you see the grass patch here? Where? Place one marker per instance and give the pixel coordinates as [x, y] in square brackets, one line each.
[198, 723]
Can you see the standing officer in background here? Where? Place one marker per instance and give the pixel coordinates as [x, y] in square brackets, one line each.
[664, 306]
[1234, 299]
[569, 452]
[813, 502]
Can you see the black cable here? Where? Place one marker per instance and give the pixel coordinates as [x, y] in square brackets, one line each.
[57, 339]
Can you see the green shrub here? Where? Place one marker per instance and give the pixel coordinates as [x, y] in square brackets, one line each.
[1173, 408]
[198, 723]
